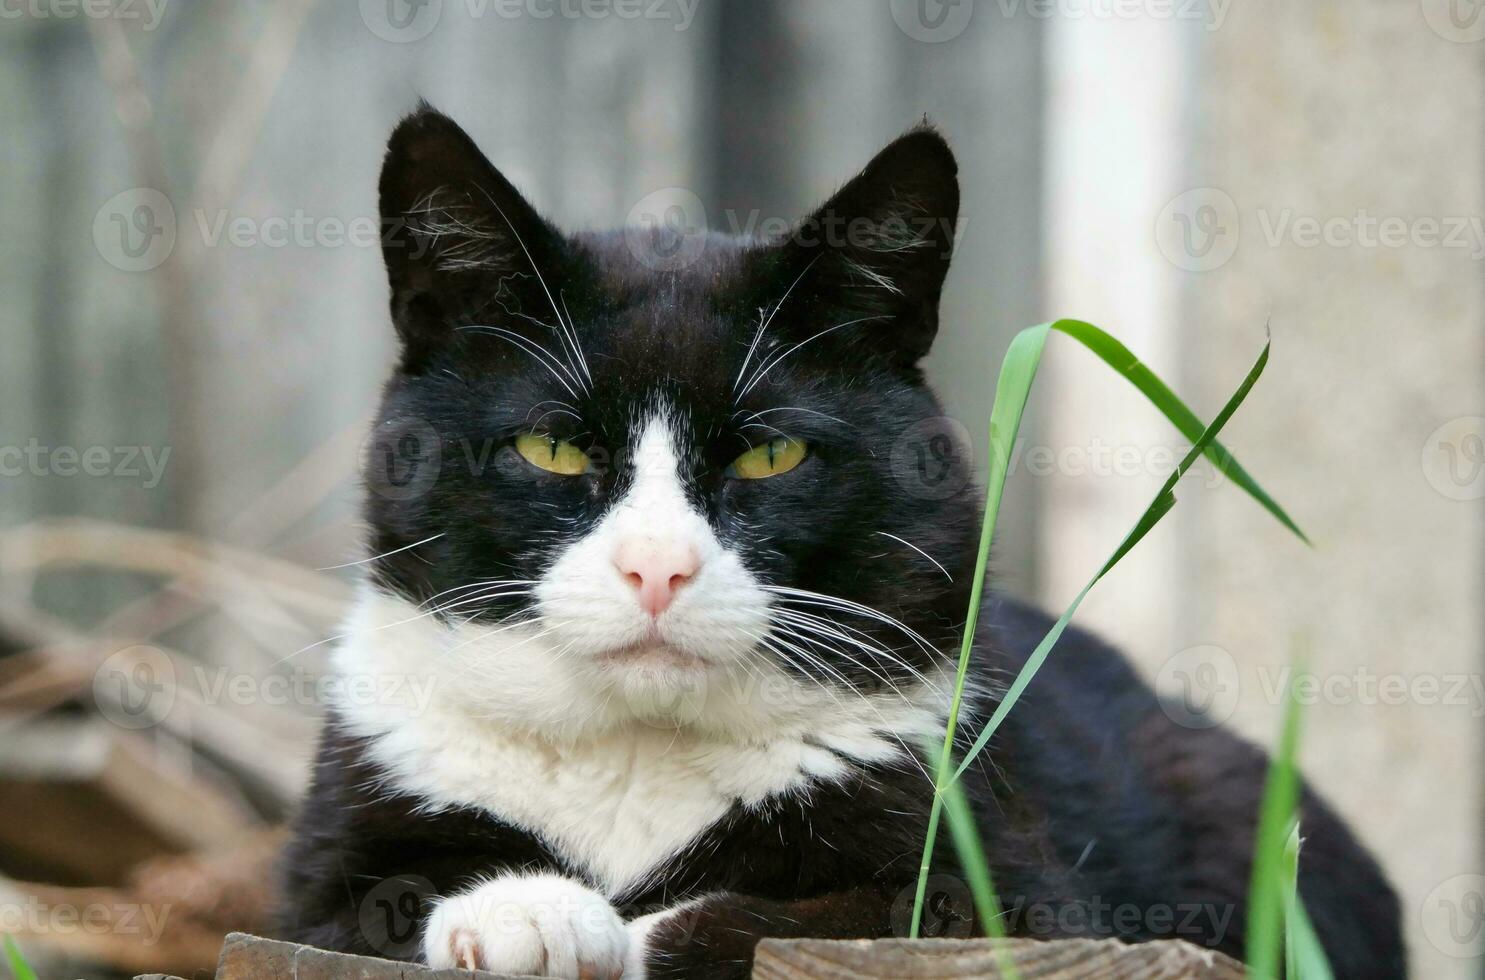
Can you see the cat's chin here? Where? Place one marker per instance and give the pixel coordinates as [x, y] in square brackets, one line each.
[656, 683]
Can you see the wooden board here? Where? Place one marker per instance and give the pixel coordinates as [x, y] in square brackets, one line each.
[923, 959]
[247, 957]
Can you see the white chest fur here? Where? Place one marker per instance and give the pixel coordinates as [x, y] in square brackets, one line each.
[493, 720]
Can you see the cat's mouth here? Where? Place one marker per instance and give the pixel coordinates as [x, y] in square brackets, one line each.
[653, 654]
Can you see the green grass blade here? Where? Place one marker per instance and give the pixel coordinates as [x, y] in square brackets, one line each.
[1122, 360]
[1309, 958]
[1266, 889]
[1304, 957]
[1017, 372]
[965, 832]
[19, 968]
[1159, 507]
[1289, 890]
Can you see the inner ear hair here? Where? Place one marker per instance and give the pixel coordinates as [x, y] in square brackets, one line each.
[459, 232]
[876, 243]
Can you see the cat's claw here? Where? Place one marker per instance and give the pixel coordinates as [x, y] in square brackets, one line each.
[535, 925]
[464, 943]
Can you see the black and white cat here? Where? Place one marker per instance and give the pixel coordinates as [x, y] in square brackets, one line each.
[663, 609]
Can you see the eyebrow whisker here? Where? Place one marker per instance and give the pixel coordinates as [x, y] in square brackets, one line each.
[763, 325]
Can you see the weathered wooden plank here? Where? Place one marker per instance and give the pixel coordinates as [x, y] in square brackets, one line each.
[247, 957]
[1069, 959]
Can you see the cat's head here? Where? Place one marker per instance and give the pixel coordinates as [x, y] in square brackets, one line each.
[609, 470]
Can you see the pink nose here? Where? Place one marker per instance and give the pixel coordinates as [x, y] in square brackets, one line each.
[657, 568]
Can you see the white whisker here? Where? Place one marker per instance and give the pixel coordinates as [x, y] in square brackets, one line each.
[529, 346]
[919, 551]
[763, 325]
[779, 358]
[527, 252]
[385, 554]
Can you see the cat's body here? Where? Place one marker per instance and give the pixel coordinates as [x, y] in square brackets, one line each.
[635, 712]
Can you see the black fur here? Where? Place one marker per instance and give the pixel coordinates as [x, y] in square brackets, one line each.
[1100, 815]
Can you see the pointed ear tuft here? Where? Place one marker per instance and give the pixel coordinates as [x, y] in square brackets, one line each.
[881, 245]
[458, 236]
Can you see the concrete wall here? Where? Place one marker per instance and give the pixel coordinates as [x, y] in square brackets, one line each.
[1305, 125]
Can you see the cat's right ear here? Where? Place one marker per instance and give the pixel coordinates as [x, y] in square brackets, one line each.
[459, 241]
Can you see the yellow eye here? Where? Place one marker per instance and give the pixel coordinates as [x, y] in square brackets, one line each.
[553, 455]
[778, 455]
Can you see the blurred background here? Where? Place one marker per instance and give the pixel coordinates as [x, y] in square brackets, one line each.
[195, 330]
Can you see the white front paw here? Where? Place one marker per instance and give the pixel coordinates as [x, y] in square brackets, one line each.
[539, 925]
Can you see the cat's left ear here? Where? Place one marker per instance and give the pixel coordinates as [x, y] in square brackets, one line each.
[460, 242]
[880, 247]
